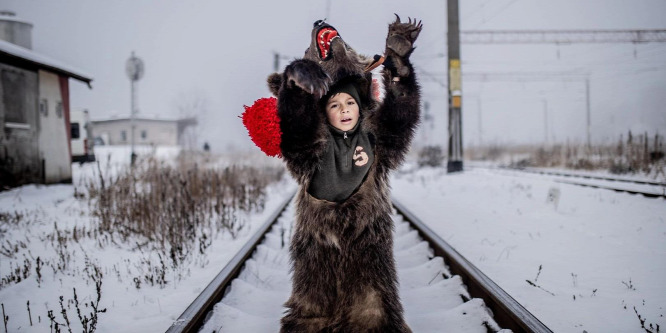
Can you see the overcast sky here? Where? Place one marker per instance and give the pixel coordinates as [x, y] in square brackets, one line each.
[220, 52]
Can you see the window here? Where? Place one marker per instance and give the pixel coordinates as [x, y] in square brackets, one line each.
[14, 95]
[144, 134]
[123, 135]
[59, 109]
[44, 107]
[76, 133]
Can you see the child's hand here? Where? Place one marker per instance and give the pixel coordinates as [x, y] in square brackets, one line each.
[401, 36]
[308, 76]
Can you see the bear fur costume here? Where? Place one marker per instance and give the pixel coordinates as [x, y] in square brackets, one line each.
[344, 275]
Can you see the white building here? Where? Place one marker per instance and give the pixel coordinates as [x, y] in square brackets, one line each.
[148, 131]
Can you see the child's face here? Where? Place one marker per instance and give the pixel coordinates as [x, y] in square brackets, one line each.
[342, 111]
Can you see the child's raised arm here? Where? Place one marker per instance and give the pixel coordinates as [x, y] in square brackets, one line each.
[395, 121]
[302, 126]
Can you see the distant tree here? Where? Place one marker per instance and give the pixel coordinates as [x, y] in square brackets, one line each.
[193, 105]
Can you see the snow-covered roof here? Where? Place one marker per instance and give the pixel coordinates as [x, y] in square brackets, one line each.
[13, 52]
[11, 17]
[140, 117]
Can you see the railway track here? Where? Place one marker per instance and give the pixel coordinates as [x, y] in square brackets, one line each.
[649, 189]
[441, 291]
[584, 176]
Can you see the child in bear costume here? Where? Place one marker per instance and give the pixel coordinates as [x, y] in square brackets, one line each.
[340, 147]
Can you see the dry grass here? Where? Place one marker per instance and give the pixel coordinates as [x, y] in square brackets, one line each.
[177, 208]
[631, 154]
[168, 213]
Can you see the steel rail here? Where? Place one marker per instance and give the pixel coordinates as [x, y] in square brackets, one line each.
[573, 175]
[194, 316]
[645, 194]
[610, 179]
[507, 312]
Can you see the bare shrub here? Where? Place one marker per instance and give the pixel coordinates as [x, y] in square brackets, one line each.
[9, 249]
[631, 154]
[9, 219]
[431, 156]
[176, 208]
[88, 320]
[17, 273]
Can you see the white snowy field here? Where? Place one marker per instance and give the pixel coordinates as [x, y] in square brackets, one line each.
[591, 257]
[52, 213]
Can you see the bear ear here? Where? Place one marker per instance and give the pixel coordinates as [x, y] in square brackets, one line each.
[274, 83]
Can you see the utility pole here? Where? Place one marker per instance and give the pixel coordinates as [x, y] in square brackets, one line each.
[428, 122]
[328, 10]
[587, 101]
[455, 151]
[478, 103]
[276, 61]
[542, 77]
[132, 117]
[545, 121]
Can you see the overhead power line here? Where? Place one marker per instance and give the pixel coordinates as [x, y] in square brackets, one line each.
[486, 20]
[525, 76]
[511, 76]
[562, 36]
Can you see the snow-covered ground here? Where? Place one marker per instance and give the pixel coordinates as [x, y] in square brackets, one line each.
[591, 255]
[646, 186]
[433, 299]
[152, 308]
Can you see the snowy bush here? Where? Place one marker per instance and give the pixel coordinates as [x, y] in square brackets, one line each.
[431, 156]
[176, 210]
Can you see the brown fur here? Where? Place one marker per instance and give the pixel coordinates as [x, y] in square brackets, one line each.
[344, 275]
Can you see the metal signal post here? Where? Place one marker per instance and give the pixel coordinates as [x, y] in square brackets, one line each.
[134, 68]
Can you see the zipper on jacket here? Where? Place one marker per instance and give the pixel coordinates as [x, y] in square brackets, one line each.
[346, 159]
[350, 155]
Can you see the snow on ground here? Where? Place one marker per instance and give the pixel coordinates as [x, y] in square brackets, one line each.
[128, 309]
[593, 255]
[432, 303]
[658, 177]
[592, 180]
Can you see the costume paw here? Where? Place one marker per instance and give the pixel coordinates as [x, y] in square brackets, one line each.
[401, 36]
[308, 76]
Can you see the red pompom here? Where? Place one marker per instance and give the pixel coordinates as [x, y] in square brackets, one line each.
[263, 125]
